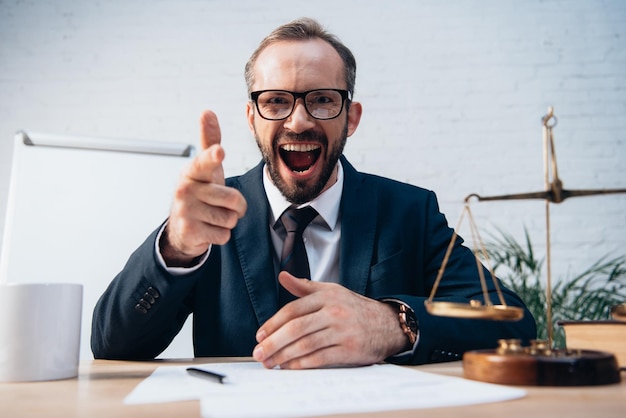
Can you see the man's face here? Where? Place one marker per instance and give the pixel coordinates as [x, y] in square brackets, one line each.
[301, 152]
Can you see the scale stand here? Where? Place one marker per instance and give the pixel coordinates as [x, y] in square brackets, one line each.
[511, 363]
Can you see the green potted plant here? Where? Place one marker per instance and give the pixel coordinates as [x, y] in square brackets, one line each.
[588, 295]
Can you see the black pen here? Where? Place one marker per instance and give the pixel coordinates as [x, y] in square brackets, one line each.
[205, 374]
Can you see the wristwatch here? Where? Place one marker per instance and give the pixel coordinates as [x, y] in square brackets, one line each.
[408, 322]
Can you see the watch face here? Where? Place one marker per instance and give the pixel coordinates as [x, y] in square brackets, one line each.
[411, 323]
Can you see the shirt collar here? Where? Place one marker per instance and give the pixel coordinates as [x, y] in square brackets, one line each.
[326, 204]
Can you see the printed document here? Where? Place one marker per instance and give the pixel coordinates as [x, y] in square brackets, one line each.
[249, 390]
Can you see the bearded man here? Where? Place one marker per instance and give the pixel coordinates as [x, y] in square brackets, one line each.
[367, 255]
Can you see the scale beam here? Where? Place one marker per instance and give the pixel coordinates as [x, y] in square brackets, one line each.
[550, 195]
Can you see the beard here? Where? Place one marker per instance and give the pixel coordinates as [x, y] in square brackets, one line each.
[302, 191]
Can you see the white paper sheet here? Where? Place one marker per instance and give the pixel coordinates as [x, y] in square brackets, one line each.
[252, 391]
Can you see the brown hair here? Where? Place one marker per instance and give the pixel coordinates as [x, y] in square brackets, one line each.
[301, 30]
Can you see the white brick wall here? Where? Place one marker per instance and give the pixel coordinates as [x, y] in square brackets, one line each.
[453, 92]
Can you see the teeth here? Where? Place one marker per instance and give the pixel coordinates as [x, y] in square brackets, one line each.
[300, 147]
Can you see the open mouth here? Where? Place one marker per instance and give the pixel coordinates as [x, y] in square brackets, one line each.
[300, 157]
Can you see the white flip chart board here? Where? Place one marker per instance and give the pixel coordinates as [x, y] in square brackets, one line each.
[79, 206]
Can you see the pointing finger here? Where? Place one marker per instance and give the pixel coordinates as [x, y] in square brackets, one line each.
[207, 166]
[210, 133]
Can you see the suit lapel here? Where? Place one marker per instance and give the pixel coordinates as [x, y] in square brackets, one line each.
[254, 246]
[358, 227]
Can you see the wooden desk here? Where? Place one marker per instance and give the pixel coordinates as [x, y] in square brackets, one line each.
[102, 386]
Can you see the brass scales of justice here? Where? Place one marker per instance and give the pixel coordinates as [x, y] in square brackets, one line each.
[539, 364]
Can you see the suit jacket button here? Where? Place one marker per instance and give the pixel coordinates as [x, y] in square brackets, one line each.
[153, 292]
[145, 304]
[148, 297]
[141, 309]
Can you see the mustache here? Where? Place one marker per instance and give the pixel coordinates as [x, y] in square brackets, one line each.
[306, 136]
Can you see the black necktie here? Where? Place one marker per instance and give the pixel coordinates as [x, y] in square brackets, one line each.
[294, 259]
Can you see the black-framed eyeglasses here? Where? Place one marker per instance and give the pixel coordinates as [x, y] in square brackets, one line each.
[321, 104]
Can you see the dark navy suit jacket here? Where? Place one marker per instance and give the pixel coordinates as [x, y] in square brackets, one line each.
[393, 239]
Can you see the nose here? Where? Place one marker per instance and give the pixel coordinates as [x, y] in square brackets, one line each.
[299, 120]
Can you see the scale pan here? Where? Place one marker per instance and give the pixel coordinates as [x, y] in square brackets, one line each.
[475, 311]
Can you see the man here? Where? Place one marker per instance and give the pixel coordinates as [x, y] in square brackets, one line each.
[374, 246]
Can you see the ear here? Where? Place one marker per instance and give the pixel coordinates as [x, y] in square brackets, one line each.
[250, 116]
[354, 117]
